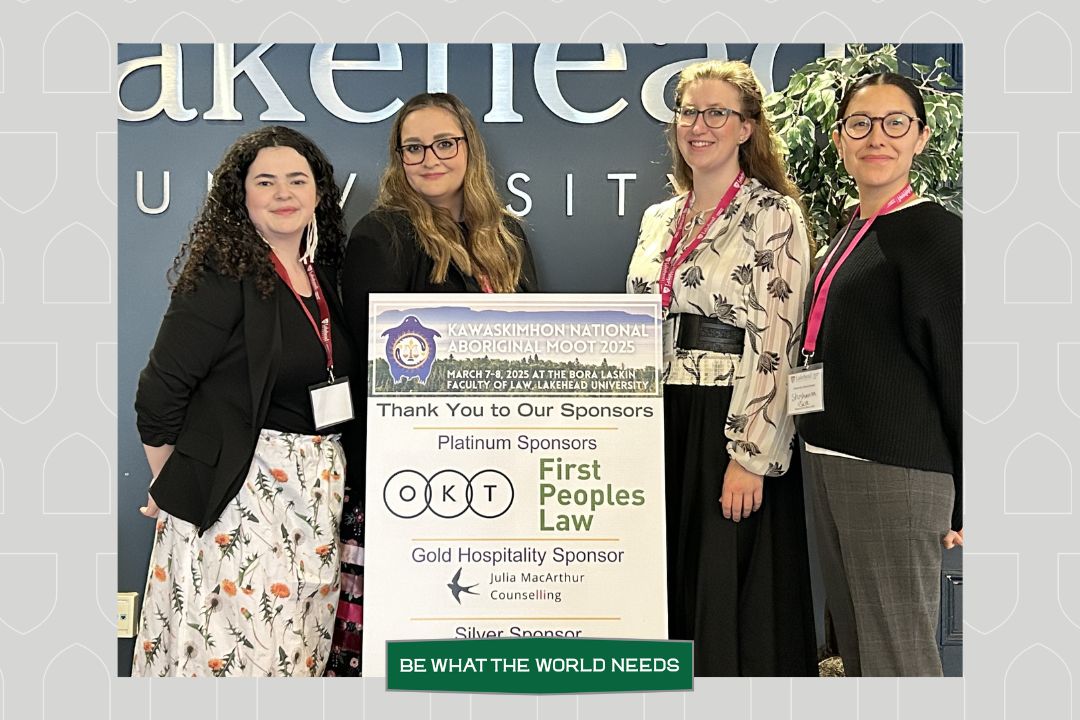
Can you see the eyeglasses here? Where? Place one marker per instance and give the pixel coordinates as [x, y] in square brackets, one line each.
[443, 148]
[714, 117]
[859, 125]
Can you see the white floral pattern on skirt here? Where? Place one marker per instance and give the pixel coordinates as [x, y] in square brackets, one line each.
[256, 594]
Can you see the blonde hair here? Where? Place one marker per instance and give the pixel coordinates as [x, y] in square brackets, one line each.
[759, 156]
[490, 248]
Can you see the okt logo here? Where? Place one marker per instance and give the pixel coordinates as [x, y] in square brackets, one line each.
[448, 494]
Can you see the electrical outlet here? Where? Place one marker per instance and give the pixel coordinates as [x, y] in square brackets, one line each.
[127, 617]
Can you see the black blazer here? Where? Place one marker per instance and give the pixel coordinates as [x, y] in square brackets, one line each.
[206, 390]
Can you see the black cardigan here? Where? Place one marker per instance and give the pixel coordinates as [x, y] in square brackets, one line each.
[892, 346]
[206, 390]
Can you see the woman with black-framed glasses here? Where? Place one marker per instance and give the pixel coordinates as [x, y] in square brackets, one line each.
[439, 225]
[882, 448]
[729, 256]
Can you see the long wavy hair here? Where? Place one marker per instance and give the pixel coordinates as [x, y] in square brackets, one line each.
[759, 156]
[223, 236]
[490, 248]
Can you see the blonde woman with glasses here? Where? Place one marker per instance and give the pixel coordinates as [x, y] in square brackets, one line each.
[439, 225]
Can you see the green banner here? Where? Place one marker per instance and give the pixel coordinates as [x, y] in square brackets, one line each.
[539, 665]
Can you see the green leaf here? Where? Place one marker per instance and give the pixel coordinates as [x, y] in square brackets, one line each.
[941, 63]
[945, 80]
[797, 85]
[921, 69]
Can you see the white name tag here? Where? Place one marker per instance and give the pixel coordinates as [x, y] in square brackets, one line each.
[331, 403]
[805, 392]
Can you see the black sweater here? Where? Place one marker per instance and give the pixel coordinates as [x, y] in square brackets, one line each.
[891, 342]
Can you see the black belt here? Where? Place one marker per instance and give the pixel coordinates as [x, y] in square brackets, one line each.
[697, 332]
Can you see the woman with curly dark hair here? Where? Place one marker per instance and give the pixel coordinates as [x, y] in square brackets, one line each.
[240, 410]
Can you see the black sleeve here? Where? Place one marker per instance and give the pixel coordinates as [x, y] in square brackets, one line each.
[932, 286]
[377, 259]
[528, 281]
[190, 341]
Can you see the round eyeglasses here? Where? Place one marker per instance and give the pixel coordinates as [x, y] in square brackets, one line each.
[859, 125]
[443, 148]
[714, 117]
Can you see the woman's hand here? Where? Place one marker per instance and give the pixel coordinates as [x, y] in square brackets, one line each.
[151, 508]
[953, 538]
[742, 492]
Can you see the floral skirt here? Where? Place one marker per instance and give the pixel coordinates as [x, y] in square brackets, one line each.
[256, 593]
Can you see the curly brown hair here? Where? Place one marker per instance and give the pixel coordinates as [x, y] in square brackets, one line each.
[223, 237]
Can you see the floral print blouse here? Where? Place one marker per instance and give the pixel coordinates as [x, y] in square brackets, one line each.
[751, 271]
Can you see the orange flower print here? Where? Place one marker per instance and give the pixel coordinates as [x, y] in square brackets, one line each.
[159, 573]
[280, 475]
[310, 661]
[317, 440]
[214, 664]
[335, 475]
[280, 589]
[324, 590]
[147, 646]
[222, 539]
[323, 550]
[228, 587]
[161, 526]
[326, 475]
[248, 590]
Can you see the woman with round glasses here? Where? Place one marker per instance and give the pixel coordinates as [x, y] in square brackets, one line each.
[883, 330]
[439, 225]
[729, 256]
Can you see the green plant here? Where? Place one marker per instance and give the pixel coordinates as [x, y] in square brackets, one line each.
[804, 114]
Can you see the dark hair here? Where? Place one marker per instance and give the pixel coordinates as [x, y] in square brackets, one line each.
[223, 236]
[885, 78]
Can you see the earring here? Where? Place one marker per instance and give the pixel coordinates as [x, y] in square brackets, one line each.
[312, 241]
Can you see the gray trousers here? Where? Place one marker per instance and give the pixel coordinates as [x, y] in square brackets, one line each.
[879, 531]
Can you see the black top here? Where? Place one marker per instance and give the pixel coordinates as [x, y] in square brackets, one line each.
[891, 342]
[384, 255]
[303, 364]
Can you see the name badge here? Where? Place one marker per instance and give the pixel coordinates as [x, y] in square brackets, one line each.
[805, 391]
[331, 402]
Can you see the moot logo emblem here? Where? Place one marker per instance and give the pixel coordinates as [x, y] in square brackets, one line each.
[410, 350]
[448, 494]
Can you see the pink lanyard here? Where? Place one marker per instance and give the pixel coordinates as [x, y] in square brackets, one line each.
[671, 263]
[821, 289]
[322, 328]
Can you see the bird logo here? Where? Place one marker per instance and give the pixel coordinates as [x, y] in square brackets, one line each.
[457, 589]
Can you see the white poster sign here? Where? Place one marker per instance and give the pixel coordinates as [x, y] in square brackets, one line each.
[515, 469]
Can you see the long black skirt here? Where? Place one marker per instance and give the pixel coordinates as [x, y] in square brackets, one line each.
[739, 590]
